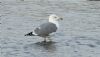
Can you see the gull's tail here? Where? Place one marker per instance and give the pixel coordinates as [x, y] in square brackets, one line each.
[29, 34]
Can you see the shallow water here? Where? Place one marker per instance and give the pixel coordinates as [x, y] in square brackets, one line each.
[79, 35]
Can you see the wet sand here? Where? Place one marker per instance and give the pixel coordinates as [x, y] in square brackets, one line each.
[79, 35]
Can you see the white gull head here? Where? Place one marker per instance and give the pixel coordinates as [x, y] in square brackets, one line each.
[53, 18]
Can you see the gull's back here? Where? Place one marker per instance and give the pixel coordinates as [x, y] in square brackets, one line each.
[45, 29]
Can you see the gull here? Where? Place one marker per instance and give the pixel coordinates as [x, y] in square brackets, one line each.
[45, 29]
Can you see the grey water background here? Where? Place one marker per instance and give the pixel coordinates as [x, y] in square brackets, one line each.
[79, 35]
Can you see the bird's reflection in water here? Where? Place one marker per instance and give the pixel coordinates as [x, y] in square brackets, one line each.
[47, 46]
[43, 46]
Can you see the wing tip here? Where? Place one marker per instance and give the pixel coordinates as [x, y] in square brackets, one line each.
[29, 34]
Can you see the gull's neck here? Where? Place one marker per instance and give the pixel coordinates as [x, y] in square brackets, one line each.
[54, 22]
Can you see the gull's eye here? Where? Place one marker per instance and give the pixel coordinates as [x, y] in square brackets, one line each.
[55, 17]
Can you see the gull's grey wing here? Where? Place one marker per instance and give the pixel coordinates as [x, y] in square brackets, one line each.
[45, 29]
